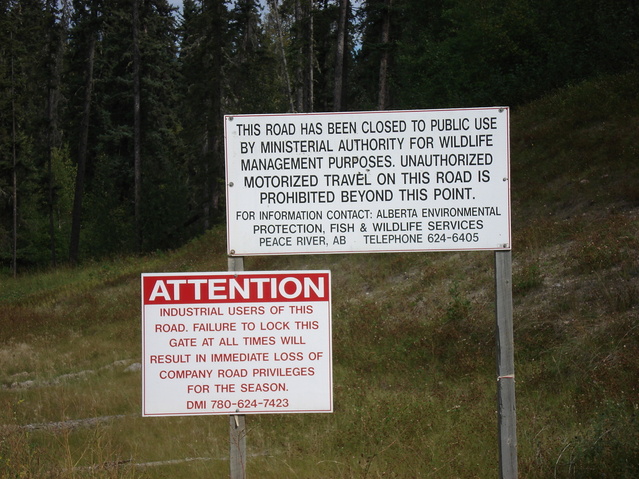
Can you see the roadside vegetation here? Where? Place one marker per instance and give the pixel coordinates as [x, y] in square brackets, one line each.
[413, 339]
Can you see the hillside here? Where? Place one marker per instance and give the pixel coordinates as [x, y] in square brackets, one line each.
[414, 347]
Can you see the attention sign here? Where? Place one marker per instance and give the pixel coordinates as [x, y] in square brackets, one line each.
[390, 181]
[236, 343]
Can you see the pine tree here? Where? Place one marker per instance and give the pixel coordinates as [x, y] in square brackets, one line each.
[56, 39]
[84, 37]
[133, 180]
[24, 131]
[251, 85]
[164, 187]
[275, 26]
[340, 55]
[202, 57]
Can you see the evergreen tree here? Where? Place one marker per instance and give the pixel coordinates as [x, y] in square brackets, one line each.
[102, 101]
[80, 80]
[7, 131]
[457, 53]
[379, 24]
[251, 83]
[340, 55]
[56, 40]
[164, 187]
[133, 183]
[202, 57]
[326, 36]
[276, 29]
[308, 38]
[24, 132]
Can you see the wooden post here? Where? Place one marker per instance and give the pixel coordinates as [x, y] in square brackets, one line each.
[505, 366]
[237, 423]
[237, 446]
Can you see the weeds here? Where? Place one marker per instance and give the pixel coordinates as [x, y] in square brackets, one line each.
[527, 279]
[619, 292]
[458, 307]
[609, 448]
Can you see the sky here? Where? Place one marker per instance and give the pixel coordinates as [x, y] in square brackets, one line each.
[176, 3]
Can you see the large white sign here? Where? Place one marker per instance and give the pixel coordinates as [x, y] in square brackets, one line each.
[236, 343]
[427, 180]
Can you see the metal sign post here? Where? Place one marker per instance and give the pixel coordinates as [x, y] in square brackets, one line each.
[505, 365]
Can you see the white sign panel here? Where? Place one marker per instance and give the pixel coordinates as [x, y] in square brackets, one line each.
[236, 343]
[427, 180]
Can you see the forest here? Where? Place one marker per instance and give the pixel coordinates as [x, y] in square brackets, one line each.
[111, 111]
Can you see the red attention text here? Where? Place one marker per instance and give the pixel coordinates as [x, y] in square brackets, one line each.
[235, 287]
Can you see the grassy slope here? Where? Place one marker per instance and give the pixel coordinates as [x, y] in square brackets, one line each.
[413, 339]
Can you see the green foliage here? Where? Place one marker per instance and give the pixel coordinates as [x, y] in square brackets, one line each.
[528, 278]
[246, 57]
[589, 152]
[252, 61]
[204, 39]
[458, 307]
[602, 250]
[27, 42]
[19, 456]
[609, 448]
[462, 53]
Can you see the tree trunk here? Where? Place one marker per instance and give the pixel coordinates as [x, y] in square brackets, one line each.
[137, 160]
[14, 139]
[280, 37]
[382, 103]
[215, 128]
[306, 55]
[338, 87]
[56, 45]
[76, 217]
[310, 52]
[299, 70]
[51, 127]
